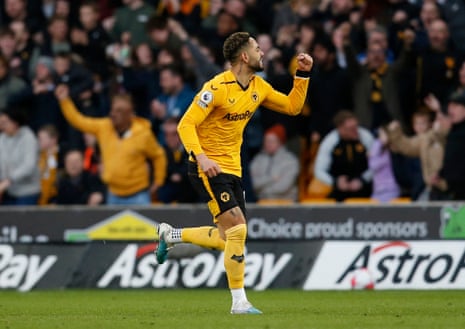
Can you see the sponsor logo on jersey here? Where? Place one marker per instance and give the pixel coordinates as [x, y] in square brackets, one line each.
[238, 116]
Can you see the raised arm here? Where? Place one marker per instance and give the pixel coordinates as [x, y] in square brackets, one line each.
[292, 103]
[72, 115]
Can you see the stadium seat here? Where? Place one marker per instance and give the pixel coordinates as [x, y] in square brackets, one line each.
[361, 201]
[274, 201]
[318, 201]
[401, 200]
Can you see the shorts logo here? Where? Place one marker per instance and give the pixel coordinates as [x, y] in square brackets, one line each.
[225, 197]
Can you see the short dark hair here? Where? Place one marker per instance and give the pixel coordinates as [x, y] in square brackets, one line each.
[233, 44]
[156, 22]
[325, 42]
[174, 68]
[51, 130]
[342, 116]
[424, 111]
[16, 114]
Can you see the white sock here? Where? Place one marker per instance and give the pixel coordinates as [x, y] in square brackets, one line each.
[238, 295]
[174, 236]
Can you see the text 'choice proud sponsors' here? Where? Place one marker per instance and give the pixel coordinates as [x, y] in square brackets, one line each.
[260, 228]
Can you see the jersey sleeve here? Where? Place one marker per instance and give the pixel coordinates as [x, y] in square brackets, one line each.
[203, 103]
[290, 104]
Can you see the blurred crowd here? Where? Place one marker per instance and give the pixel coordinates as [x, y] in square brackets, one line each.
[384, 118]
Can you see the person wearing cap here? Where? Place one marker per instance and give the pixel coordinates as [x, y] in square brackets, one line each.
[275, 169]
[19, 151]
[449, 182]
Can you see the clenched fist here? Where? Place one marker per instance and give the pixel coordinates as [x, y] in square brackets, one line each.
[304, 62]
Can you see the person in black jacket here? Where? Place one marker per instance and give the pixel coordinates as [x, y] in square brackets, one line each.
[177, 187]
[342, 160]
[89, 40]
[449, 183]
[77, 186]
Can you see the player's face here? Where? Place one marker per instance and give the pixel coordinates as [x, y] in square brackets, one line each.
[255, 56]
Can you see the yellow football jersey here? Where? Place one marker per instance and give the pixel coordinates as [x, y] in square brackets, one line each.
[215, 121]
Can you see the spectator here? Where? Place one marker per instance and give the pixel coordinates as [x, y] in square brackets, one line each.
[126, 143]
[45, 109]
[226, 24]
[196, 57]
[49, 163]
[427, 145]
[375, 92]
[275, 169]
[26, 52]
[92, 160]
[17, 10]
[385, 187]
[240, 9]
[329, 92]
[461, 83]
[177, 187]
[454, 12]
[141, 78]
[449, 182]
[13, 90]
[176, 97]
[69, 10]
[437, 65]
[56, 39]
[429, 12]
[8, 50]
[80, 83]
[237, 8]
[90, 40]
[130, 21]
[19, 173]
[160, 35]
[331, 13]
[287, 15]
[342, 159]
[378, 35]
[77, 186]
[188, 13]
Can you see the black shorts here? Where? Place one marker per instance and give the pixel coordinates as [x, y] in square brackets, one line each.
[222, 192]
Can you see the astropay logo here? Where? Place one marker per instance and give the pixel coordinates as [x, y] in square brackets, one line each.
[136, 267]
[20, 271]
[394, 265]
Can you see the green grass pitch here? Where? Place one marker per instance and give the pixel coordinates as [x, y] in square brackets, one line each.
[203, 309]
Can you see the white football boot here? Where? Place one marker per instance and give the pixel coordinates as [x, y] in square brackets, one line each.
[164, 244]
[244, 307]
